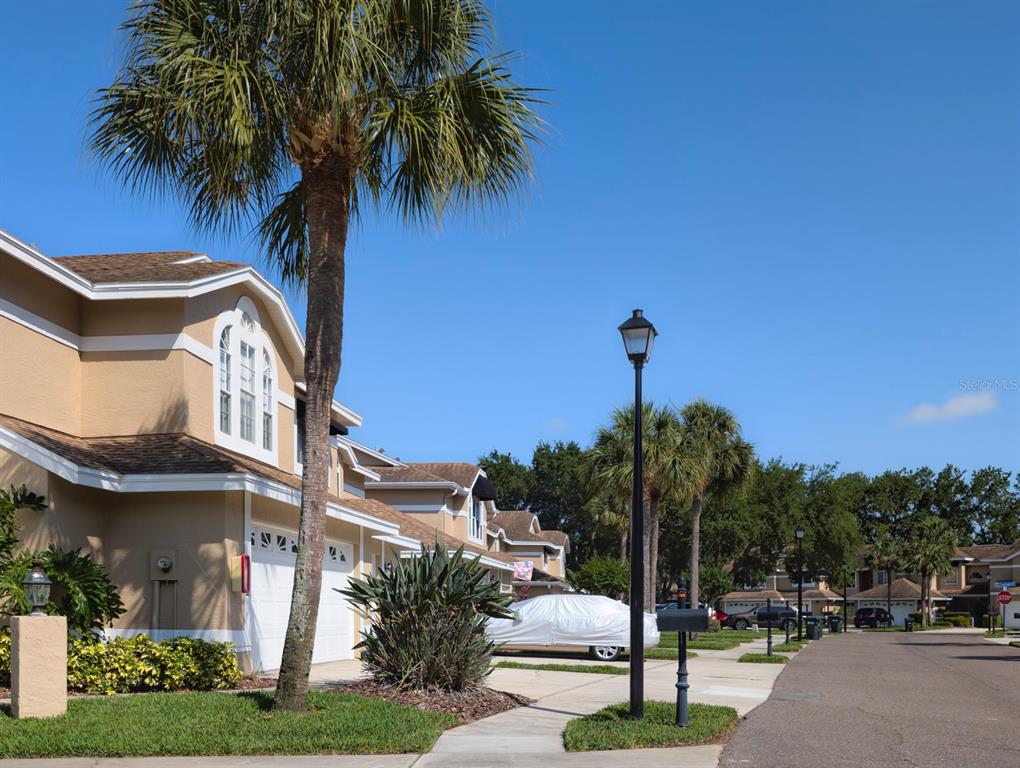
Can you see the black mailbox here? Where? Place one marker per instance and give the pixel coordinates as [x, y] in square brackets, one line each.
[683, 620]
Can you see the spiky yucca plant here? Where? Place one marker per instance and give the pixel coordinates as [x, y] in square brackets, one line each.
[428, 621]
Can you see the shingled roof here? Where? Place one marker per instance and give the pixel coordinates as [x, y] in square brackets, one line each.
[154, 266]
[901, 589]
[177, 453]
[517, 527]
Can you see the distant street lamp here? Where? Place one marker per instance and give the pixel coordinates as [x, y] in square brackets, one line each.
[846, 585]
[638, 336]
[800, 583]
[37, 588]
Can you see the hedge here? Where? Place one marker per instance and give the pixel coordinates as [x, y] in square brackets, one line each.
[126, 665]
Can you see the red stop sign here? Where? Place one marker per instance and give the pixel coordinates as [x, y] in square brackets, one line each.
[1004, 598]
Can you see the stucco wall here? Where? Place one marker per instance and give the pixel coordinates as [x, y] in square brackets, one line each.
[131, 316]
[204, 529]
[30, 289]
[39, 378]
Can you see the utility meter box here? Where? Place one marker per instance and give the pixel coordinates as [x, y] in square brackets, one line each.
[163, 565]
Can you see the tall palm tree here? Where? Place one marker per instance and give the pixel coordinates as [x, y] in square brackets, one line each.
[611, 463]
[609, 510]
[720, 461]
[292, 114]
[931, 553]
[886, 554]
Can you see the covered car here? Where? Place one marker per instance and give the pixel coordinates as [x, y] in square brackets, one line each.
[599, 624]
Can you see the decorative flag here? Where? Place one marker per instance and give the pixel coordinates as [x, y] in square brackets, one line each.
[523, 570]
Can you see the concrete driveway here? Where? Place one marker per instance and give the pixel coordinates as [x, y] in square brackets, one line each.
[880, 700]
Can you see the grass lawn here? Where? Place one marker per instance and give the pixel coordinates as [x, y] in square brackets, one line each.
[791, 647]
[731, 638]
[762, 658]
[222, 724]
[612, 727]
[667, 653]
[1015, 643]
[601, 669]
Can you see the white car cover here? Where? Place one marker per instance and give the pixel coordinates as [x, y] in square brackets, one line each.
[569, 620]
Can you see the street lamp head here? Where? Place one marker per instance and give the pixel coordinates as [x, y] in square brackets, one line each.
[681, 584]
[37, 588]
[638, 336]
[799, 533]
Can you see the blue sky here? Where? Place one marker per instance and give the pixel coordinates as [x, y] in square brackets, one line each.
[817, 203]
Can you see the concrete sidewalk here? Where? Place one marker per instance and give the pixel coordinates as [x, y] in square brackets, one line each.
[526, 736]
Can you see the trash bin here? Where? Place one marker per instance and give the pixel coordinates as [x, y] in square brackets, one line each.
[908, 624]
[813, 627]
[836, 624]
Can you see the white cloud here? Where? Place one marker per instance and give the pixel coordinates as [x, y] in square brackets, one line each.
[556, 425]
[957, 407]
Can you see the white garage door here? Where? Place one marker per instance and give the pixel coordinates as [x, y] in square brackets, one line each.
[272, 580]
[901, 609]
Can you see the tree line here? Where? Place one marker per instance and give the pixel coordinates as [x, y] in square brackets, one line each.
[722, 517]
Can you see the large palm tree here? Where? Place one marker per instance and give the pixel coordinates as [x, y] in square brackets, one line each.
[611, 462]
[290, 115]
[719, 460]
[886, 554]
[931, 553]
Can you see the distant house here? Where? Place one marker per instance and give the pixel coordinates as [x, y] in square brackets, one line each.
[970, 587]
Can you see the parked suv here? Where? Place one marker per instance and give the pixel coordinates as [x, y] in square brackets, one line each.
[872, 617]
[779, 616]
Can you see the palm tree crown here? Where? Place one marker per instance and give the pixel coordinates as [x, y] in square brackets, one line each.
[931, 553]
[289, 114]
[718, 460]
[666, 469]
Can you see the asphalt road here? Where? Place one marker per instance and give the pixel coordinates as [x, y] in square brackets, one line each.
[888, 699]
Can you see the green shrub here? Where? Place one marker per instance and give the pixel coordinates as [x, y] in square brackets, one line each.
[996, 621]
[602, 575]
[126, 665]
[957, 621]
[81, 590]
[428, 621]
[5, 659]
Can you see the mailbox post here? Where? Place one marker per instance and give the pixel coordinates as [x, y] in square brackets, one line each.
[682, 621]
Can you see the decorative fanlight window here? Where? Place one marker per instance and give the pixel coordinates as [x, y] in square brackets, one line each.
[245, 399]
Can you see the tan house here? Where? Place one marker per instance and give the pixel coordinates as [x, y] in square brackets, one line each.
[153, 399]
[519, 534]
[458, 499]
[816, 596]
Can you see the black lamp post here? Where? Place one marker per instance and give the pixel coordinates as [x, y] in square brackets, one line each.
[846, 586]
[682, 686]
[800, 583]
[638, 336]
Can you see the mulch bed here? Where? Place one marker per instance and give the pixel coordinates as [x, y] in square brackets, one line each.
[468, 706]
[247, 683]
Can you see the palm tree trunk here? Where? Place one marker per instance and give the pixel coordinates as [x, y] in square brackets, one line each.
[623, 545]
[653, 555]
[327, 187]
[695, 547]
[646, 545]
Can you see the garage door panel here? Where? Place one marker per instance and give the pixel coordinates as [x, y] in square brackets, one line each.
[272, 582]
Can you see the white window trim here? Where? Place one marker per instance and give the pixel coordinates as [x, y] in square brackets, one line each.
[481, 520]
[260, 342]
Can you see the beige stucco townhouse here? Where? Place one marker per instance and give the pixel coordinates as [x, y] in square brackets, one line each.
[458, 499]
[153, 398]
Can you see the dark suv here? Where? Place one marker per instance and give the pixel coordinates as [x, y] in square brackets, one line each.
[780, 616]
[872, 617]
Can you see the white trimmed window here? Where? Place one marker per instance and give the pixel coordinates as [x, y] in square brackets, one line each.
[477, 523]
[245, 397]
[224, 377]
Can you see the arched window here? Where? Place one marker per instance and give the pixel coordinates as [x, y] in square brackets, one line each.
[225, 380]
[245, 393]
[268, 398]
